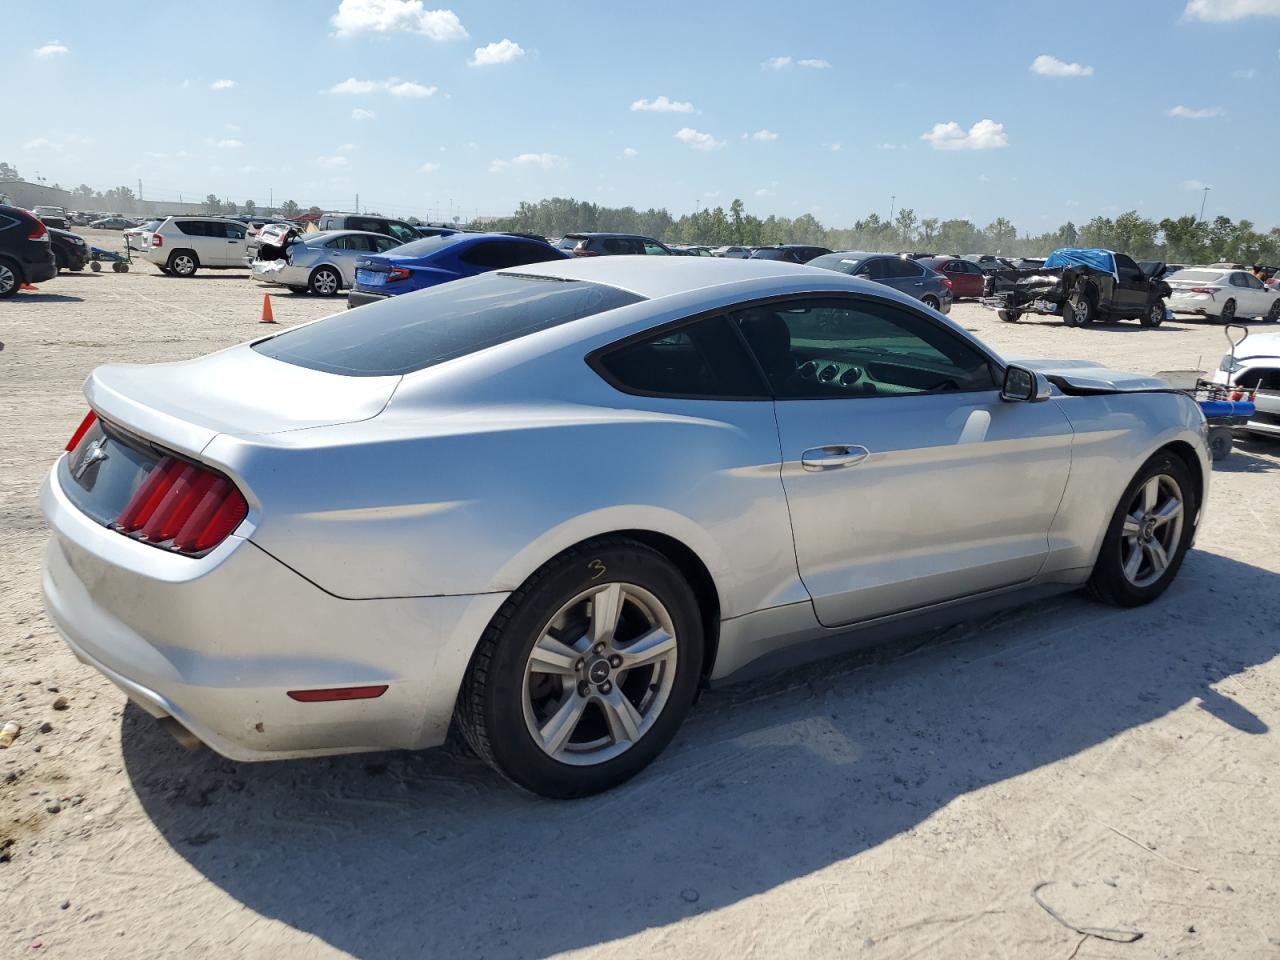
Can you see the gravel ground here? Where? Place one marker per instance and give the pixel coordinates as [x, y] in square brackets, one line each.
[905, 804]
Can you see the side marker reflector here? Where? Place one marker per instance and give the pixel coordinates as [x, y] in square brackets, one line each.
[338, 693]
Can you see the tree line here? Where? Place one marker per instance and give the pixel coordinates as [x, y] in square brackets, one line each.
[1184, 239]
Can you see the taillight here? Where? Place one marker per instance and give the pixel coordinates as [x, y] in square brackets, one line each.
[183, 506]
[89, 420]
[157, 241]
[397, 273]
[1205, 289]
[577, 252]
[40, 232]
[946, 282]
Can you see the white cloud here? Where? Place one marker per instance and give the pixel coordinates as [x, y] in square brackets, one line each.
[663, 105]
[360, 113]
[1193, 185]
[504, 51]
[544, 160]
[42, 143]
[1247, 74]
[781, 63]
[346, 147]
[429, 168]
[834, 147]
[332, 162]
[629, 152]
[1073, 203]
[394, 86]
[54, 48]
[1048, 66]
[1218, 11]
[391, 16]
[229, 144]
[222, 85]
[887, 146]
[697, 139]
[983, 178]
[155, 154]
[763, 135]
[1195, 113]
[983, 135]
[767, 191]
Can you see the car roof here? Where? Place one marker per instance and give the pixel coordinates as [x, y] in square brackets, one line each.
[655, 277]
[862, 254]
[629, 236]
[330, 234]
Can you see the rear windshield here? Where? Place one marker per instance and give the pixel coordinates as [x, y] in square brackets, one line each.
[419, 330]
[767, 253]
[837, 261]
[428, 245]
[1198, 276]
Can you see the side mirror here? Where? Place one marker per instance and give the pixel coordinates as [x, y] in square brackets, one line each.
[1024, 386]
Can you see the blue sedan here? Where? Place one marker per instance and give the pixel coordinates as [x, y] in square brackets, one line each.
[434, 260]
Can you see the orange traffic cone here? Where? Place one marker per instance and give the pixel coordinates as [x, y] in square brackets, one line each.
[266, 309]
[28, 286]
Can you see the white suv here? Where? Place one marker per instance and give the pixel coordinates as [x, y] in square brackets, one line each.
[181, 245]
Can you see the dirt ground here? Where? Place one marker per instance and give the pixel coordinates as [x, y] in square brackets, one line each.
[902, 805]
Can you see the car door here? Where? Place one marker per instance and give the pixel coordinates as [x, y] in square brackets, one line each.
[909, 481]
[1132, 287]
[206, 238]
[234, 243]
[968, 277]
[904, 275]
[1249, 295]
[344, 251]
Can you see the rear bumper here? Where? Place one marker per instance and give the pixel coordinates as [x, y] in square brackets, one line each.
[358, 298]
[40, 270]
[216, 643]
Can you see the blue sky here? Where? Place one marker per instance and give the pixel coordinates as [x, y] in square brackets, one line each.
[827, 107]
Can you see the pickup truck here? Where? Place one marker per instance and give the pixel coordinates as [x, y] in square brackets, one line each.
[1082, 286]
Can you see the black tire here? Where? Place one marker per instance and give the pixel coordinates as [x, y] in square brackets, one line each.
[491, 704]
[96, 267]
[930, 301]
[11, 278]
[59, 261]
[1154, 315]
[1220, 442]
[1009, 316]
[325, 282]
[1273, 315]
[297, 289]
[1228, 313]
[183, 263]
[119, 267]
[1109, 582]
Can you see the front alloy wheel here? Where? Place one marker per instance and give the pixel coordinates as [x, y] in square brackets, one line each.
[600, 674]
[1152, 530]
[325, 282]
[8, 281]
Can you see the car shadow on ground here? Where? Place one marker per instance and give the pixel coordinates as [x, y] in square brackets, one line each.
[1249, 455]
[28, 296]
[233, 273]
[430, 854]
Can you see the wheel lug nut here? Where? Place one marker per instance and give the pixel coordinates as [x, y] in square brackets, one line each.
[583, 689]
[606, 687]
[615, 661]
[579, 665]
[599, 648]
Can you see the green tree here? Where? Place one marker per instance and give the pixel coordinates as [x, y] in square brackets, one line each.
[212, 204]
[736, 209]
[1098, 232]
[905, 226]
[928, 230]
[1001, 235]
[1134, 235]
[8, 172]
[250, 208]
[289, 209]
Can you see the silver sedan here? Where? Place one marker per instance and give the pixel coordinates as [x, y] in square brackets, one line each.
[544, 505]
[321, 263]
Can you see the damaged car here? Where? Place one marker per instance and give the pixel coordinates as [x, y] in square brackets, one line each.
[1254, 365]
[320, 263]
[1082, 286]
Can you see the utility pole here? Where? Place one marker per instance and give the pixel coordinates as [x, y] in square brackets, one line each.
[271, 200]
[139, 188]
[1203, 197]
[357, 203]
[892, 200]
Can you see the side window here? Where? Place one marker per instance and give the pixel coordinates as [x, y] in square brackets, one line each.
[533, 253]
[383, 244]
[621, 245]
[493, 255]
[819, 349]
[339, 243]
[654, 249]
[872, 269]
[402, 231]
[235, 231]
[1237, 280]
[1253, 282]
[364, 223]
[703, 359]
[192, 228]
[896, 268]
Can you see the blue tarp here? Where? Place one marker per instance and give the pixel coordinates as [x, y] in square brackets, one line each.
[1089, 257]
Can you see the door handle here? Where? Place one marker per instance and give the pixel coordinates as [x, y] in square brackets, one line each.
[918, 283]
[834, 455]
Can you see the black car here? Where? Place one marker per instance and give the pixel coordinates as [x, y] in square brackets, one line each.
[70, 252]
[790, 252]
[26, 254]
[611, 244]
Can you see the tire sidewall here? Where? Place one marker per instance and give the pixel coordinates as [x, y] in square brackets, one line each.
[17, 279]
[513, 748]
[337, 288]
[1108, 575]
[174, 271]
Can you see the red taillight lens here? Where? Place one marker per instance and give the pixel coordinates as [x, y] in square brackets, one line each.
[397, 273]
[40, 232]
[1205, 289]
[89, 420]
[946, 282]
[157, 241]
[585, 253]
[184, 503]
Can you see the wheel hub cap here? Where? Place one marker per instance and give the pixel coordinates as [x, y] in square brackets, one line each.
[598, 671]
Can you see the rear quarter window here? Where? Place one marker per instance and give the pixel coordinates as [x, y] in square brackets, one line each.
[440, 323]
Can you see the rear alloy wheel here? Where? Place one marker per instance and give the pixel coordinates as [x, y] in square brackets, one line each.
[325, 282]
[1273, 315]
[9, 280]
[1078, 310]
[930, 301]
[1228, 313]
[182, 263]
[1154, 315]
[1148, 535]
[586, 672]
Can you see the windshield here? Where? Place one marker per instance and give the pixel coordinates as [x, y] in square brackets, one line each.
[1197, 276]
[409, 333]
[568, 243]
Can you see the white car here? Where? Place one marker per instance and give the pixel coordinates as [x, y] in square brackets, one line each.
[323, 263]
[181, 245]
[732, 252]
[138, 238]
[1256, 367]
[1222, 294]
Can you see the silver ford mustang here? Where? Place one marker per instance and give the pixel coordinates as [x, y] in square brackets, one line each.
[546, 504]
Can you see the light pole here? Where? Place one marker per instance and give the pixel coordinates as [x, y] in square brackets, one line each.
[1203, 197]
[892, 200]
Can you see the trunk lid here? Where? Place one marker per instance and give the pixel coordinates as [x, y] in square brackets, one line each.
[241, 392]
